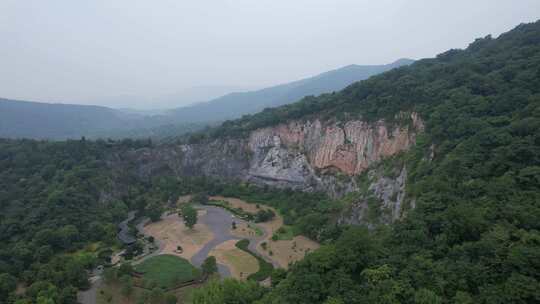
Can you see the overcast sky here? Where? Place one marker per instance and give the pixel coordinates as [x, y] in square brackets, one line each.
[80, 51]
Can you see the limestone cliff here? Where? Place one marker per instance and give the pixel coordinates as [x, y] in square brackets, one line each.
[306, 155]
[381, 198]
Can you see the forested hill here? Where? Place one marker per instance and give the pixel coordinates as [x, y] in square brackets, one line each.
[235, 105]
[24, 119]
[493, 73]
[471, 234]
[474, 177]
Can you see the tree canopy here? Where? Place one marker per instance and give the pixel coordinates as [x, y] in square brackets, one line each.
[473, 176]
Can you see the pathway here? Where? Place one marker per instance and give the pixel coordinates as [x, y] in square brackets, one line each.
[220, 222]
[217, 219]
[89, 296]
[124, 234]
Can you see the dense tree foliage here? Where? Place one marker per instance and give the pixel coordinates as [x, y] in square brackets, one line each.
[189, 215]
[59, 197]
[209, 265]
[228, 292]
[474, 176]
[52, 205]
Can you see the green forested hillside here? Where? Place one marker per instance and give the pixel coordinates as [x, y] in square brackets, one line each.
[25, 119]
[49, 205]
[236, 104]
[36, 120]
[474, 177]
[496, 75]
[60, 203]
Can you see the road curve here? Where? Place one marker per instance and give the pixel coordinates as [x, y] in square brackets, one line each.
[219, 221]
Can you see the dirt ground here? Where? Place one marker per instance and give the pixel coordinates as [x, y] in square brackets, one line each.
[240, 263]
[117, 257]
[171, 232]
[284, 252]
[243, 230]
[290, 251]
[270, 226]
[183, 199]
[21, 289]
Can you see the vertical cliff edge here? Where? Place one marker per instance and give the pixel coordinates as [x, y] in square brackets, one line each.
[307, 155]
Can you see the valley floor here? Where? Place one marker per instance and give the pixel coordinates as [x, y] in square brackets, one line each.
[214, 235]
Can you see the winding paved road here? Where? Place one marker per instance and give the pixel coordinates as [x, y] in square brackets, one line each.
[217, 219]
[220, 221]
[89, 296]
[124, 234]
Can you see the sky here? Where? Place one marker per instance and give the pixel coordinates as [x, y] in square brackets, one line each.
[113, 52]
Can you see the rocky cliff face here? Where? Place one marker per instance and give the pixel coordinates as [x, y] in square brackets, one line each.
[305, 155]
[382, 199]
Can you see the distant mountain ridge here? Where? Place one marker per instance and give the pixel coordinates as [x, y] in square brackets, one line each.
[26, 119]
[235, 105]
[185, 97]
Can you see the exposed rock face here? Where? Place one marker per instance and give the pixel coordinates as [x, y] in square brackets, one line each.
[391, 191]
[304, 155]
[350, 148]
[387, 197]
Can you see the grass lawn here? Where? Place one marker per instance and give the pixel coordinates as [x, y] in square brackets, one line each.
[167, 270]
[284, 232]
[258, 231]
[265, 268]
[242, 262]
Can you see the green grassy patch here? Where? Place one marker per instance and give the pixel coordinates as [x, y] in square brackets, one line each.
[283, 233]
[257, 229]
[265, 268]
[167, 270]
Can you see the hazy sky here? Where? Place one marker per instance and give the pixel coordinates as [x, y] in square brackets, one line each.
[80, 51]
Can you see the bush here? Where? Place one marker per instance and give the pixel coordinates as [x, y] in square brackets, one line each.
[170, 298]
[209, 265]
[200, 198]
[265, 268]
[264, 216]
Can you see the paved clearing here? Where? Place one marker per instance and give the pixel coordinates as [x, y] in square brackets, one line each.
[219, 221]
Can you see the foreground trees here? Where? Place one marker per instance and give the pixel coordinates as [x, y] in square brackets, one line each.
[209, 265]
[189, 214]
[473, 175]
[8, 283]
[228, 292]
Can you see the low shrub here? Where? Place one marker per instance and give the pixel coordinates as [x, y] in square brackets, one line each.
[265, 268]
